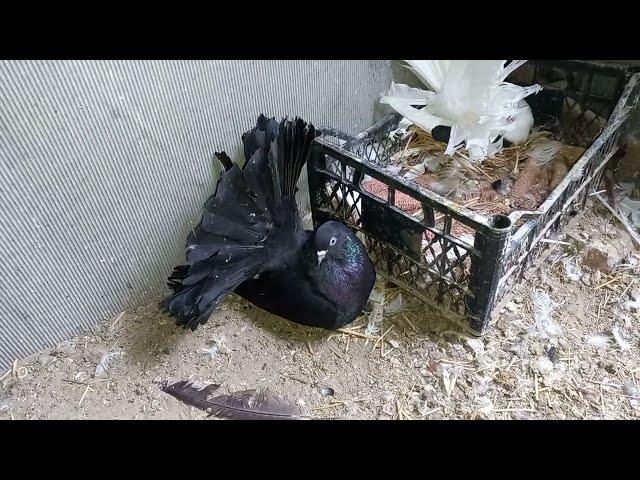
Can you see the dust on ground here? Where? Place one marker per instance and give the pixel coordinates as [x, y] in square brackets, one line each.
[581, 362]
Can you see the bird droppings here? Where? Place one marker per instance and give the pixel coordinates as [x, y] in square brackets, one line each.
[416, 365]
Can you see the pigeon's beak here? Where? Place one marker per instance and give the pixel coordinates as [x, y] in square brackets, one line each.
[321, 255]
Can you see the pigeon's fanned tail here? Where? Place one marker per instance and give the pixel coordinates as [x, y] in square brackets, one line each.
[224, 249]
[244, 222]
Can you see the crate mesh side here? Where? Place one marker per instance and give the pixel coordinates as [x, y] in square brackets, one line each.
[527, 244]
[440, 276]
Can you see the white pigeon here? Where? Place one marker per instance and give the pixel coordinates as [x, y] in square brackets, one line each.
[471, 97]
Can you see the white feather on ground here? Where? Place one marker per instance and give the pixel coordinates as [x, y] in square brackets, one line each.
[631, 208]
[598, 341]
[377, 314]
[543, 314]
[622, 343]
[105, 363]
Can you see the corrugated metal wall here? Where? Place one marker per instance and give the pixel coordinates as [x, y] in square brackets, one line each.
[105, 165]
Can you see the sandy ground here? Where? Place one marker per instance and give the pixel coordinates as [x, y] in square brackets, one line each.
[571, 367]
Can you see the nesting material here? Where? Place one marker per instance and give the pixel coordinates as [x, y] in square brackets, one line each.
[519, 177]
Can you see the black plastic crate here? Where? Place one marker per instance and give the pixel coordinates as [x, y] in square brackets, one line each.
[583, 103]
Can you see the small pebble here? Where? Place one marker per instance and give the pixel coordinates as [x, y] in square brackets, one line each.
[327, 392]
[502, 186]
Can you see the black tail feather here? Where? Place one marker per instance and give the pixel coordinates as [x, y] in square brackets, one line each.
[294, 145]
[261, 136]
[224, 160]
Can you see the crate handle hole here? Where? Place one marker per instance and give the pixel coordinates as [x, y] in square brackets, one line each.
[501, 222]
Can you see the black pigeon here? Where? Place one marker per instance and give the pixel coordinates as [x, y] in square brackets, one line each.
[251, 241]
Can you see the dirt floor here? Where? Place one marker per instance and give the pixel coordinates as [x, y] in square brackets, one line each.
[582, 362]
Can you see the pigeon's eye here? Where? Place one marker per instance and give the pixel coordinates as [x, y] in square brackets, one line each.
[333, 241]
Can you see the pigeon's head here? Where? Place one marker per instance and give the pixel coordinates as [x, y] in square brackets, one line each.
[519, 124]
[330, 238]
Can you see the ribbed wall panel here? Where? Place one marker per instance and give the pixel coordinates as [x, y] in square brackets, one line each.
[105, 166]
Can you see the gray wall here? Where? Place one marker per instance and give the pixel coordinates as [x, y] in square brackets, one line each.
[105, 165]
